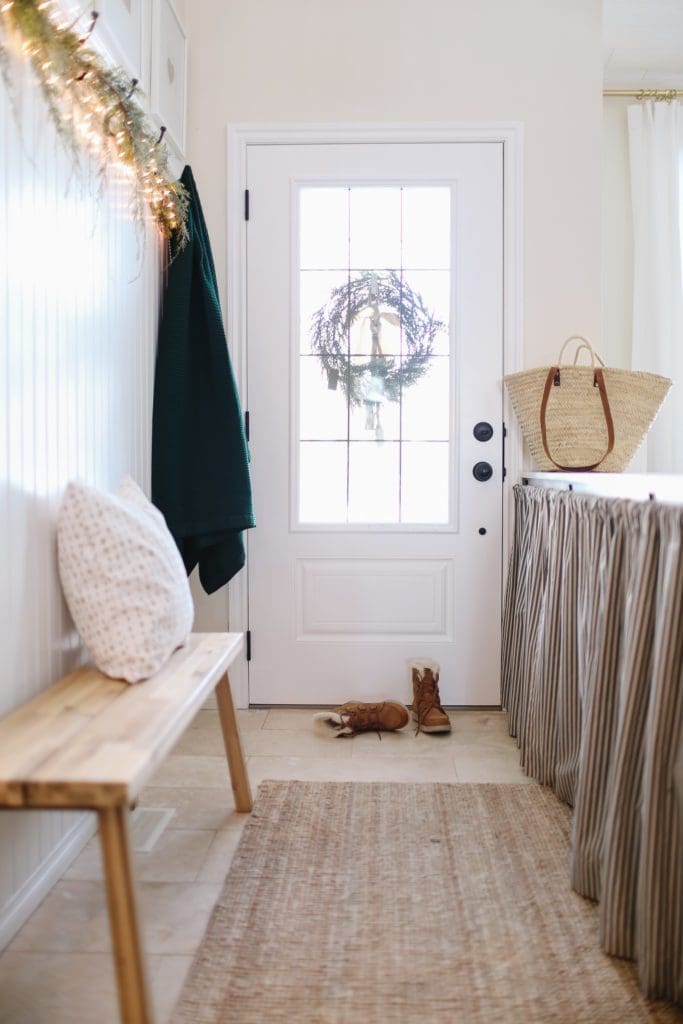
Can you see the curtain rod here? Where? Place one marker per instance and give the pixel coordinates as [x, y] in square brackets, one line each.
[646, 94]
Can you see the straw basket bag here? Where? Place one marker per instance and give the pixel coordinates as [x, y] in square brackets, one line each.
[585, 417]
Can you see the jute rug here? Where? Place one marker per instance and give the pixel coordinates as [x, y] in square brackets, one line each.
[375, 903]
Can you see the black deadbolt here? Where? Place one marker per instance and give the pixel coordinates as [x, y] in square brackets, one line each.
[482, 471]
[483, 431]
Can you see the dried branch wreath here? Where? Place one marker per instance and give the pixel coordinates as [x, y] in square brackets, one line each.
[381, 297]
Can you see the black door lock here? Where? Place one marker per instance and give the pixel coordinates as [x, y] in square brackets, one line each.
[482, 471]
[483, 431]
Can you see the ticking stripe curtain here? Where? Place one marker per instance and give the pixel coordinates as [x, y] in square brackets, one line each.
[593, 687]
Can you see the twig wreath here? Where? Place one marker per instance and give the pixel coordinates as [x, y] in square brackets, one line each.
[92, 105]
[379, 298]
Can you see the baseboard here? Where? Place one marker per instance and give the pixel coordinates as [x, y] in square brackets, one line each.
[35, 889]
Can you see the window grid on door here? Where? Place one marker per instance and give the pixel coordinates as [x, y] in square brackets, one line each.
[377, 460]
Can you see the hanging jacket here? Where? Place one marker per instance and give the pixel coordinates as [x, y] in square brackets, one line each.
[200, 464]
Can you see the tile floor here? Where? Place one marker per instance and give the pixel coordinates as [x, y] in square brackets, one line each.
[58, 969]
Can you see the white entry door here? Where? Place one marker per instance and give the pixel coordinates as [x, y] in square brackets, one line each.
[374, 362]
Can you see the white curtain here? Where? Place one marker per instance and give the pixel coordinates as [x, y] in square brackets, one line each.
[656, 147]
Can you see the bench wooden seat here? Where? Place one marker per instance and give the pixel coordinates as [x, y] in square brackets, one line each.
[92, 743]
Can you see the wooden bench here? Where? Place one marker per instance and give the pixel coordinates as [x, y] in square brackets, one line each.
[92, 743]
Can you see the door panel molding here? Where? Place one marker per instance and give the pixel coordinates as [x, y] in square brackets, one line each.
[369, 599]
[241, 136]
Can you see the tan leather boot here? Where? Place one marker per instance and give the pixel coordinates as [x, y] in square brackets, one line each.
[357, 716]
[427, 710]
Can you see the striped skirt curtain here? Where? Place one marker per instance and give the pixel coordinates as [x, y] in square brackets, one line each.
[593, 687]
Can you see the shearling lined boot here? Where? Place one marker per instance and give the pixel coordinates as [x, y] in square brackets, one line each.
[356, 716]
[427, 710]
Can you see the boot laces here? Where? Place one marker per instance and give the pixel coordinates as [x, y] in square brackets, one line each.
[428, 697]
[363, 719]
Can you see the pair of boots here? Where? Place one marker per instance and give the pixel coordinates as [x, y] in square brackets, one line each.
[390, 715]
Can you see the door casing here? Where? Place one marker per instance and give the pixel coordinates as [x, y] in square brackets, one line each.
[240, 137]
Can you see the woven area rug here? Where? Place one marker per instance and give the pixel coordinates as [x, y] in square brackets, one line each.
[376, 903]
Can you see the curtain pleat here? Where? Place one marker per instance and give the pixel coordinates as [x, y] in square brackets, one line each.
[622, 825]
[593, 686]
[601, 696]
[659, 947]
[568, 729]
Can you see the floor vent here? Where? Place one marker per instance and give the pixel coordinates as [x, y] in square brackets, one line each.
[146, 825]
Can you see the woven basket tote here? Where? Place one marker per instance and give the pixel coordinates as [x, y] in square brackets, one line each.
[585, 417]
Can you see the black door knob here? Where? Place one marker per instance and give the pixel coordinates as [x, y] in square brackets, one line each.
[483, 431]
[482, 471]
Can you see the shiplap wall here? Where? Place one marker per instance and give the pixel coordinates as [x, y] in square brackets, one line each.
[79, 287]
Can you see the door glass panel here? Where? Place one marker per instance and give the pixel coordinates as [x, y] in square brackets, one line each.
[323, 491]
[424, 494]
[373, 482]
[425, 407]
[375, 388]
[373, 418]
[323, 412]
[434, 287]
[374, 228]
[324, 228]
[426, 216]
[315, 288]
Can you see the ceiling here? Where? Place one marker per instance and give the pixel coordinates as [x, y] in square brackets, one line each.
[643, 44]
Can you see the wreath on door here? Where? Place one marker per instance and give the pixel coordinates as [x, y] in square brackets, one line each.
[375, 300]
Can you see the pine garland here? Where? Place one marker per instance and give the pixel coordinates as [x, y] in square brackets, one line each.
[331, 325]
[92, 105]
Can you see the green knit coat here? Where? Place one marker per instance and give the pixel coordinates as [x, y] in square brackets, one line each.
[200, 463]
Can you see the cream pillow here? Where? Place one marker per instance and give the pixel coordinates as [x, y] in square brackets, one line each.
[123, 579]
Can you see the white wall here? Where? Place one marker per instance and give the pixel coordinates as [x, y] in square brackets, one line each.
[78, 313]
[536, 61]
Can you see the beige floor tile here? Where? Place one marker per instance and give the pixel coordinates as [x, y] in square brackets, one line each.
[195, 807]
[289, 718]
[189, 770]
[409, 769]
[368, 769]
[480, 763]
[254, 718]
[219, 856]
[166, 977]
[73, 918]
[479, 727]
[59, 988]
[203, 736]
[177, 856]
[323, 769]
[312, 740]
[403, 743]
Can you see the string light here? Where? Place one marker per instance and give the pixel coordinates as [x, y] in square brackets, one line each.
[92, 105]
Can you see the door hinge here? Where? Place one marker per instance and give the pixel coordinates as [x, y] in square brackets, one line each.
[248, 638]
[246, 423]
[246, 204]
[505, 434]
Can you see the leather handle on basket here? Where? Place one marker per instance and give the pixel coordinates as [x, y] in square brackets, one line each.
[553, 378]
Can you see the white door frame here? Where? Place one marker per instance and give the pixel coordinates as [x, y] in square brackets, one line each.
[240, 136]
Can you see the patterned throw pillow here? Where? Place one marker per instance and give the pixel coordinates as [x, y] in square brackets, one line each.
[123, 579]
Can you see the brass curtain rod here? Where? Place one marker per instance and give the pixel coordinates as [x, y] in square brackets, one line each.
[646, 94]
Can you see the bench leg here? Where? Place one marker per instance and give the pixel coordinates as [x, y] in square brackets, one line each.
[233, 746]
[123, 920]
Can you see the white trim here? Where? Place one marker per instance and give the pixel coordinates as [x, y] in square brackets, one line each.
[176, 145]
[511, 135]
[236, 319]
[35, 889]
